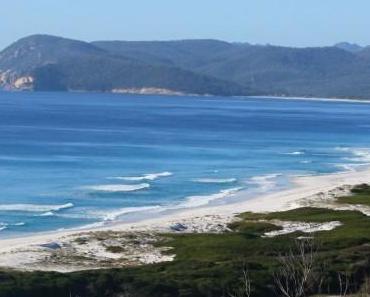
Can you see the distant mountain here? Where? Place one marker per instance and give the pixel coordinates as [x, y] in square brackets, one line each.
[350, 47]
[273, 70]
[214, 67]
[43, 62]
[183, 53]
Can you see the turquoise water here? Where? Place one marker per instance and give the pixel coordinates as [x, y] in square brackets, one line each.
[75, 159]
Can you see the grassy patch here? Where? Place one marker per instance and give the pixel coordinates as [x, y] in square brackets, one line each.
[115, 249]
[81, 240]
[361, 195]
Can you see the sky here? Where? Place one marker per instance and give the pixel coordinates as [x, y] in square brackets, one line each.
[281, 22]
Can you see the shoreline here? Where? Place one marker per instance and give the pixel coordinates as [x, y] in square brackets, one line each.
[181, 94]
[303, 191]
[320, 99]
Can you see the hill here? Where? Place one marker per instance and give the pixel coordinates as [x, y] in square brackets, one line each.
[43, 62]
[338, 71]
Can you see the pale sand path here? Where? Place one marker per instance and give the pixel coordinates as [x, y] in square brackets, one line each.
[303, 189]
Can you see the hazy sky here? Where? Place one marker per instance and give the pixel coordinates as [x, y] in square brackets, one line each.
[282, 22]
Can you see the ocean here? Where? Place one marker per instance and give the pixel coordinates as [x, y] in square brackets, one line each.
[71, 160]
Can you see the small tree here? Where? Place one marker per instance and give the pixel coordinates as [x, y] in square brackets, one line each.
[245, 288]
[343, 281]
[295, 275]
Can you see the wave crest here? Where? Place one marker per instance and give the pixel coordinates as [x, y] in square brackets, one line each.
[112, 215]
[118, 188]
[4, 226]
[196, 201]
[47, 214]
[150, 176]
[296, 153]
[358, 157]
[34, 207]
[265, 182]
[216, 180]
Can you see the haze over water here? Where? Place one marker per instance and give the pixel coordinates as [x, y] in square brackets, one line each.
[75, 159]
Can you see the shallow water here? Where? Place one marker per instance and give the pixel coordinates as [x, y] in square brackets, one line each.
[74, 159]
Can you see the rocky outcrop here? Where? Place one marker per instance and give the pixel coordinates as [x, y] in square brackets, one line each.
[12, 81]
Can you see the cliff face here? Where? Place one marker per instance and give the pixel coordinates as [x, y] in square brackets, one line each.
[13, 81]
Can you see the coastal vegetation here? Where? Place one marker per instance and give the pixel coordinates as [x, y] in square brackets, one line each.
[362, 196]
[217, 264]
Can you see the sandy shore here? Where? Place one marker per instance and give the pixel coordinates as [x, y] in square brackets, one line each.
[97, 244]
[349, 100]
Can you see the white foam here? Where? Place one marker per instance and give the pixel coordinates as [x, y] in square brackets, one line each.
[34, 207]
[296, 153]
[150, 176]
[91, 226]
[4, 226]
[196, 201]
[360, 157]
[216, 180]
[115, 214]
[265, 182]
[47, 214]
[118, 188]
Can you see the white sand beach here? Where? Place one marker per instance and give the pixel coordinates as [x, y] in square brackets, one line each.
[348, 100]
[94, 244]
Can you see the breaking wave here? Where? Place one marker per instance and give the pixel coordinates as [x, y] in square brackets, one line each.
[34, 207]
[196, 201]
[4, 226]
[216, 180]
[47, 214]
[296, 153]
[358, 157]
[265, 182]
[149, 177]
[115, 214]
[118, 188]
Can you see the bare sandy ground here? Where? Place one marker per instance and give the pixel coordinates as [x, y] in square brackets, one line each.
[99, 247]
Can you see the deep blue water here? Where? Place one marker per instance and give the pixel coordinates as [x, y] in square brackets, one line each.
[73, 159]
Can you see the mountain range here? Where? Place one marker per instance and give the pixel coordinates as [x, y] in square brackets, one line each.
[50, 63]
